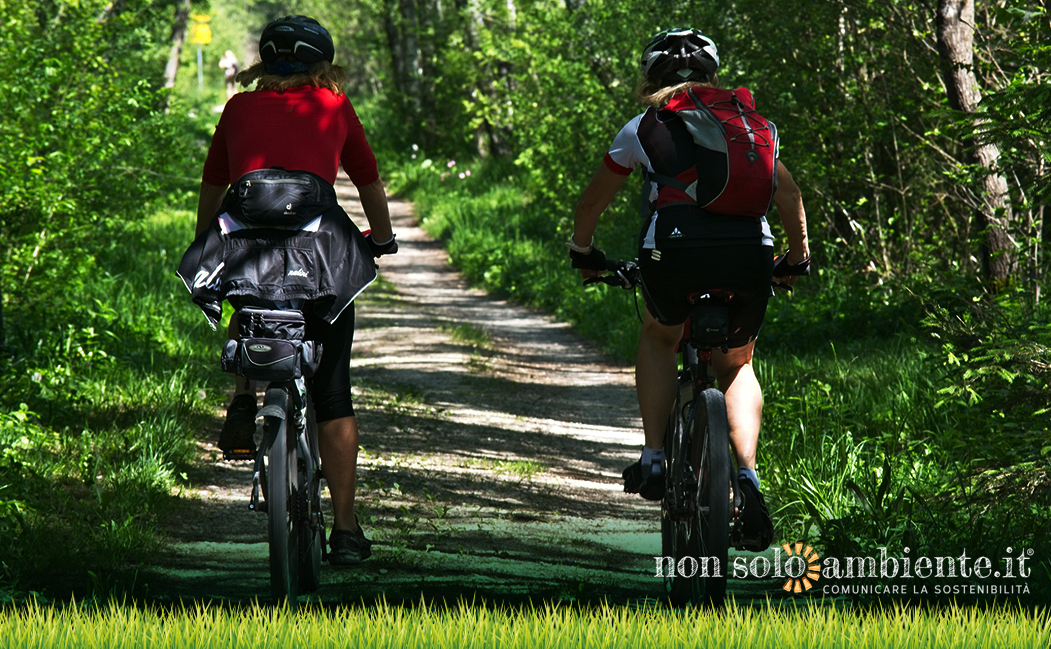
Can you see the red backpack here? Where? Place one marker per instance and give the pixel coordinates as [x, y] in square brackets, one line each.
[725, 124]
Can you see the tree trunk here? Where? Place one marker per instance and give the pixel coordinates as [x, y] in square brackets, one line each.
[955, 23]
[411, 46]
[403, 41]
[3, 336]
[178, 40]
[432, 31]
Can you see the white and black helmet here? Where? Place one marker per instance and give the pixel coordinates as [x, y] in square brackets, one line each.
[676, 55]
[293, 44]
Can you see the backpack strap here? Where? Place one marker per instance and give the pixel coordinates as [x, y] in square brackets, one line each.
[674, 183]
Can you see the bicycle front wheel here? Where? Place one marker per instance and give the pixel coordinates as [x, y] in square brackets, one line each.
[680, 530]
[281, 494]
[711, 456]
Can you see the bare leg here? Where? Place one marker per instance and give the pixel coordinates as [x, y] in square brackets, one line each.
[338, 439]
[656, 377]
[744, 400]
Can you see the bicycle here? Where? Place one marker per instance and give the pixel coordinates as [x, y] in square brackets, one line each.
[271, 347]
[702, 501]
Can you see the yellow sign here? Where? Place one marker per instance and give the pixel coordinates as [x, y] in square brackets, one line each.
[202, 34]
[201, 18]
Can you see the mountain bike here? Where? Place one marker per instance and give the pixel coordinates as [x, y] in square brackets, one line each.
[271, 347]
[699, 510]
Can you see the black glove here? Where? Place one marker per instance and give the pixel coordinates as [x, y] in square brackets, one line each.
[594, 260]
[782, 269]
[380, 249]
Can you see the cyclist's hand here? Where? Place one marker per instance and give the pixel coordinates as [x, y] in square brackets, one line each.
[787, 268]
[593, 260]
[380, 249]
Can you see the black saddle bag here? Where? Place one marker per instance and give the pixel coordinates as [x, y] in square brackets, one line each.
[710, 325]
[276, 198]
[271, 346]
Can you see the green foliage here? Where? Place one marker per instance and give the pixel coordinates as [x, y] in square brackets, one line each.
[850, 437]
[883, 172]
[86, 142]
[99, 399]
[101, 412]
[996, 354]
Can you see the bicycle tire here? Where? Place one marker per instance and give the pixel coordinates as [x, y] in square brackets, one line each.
[712, 457]
[311, 524]
[282, 492]
[680, 530]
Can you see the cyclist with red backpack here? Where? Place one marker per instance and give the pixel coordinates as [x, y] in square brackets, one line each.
[712, 170]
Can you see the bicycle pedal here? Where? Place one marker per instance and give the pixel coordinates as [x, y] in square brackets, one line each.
[238, 454]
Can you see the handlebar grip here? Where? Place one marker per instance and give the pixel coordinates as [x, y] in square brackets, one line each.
[782, 269]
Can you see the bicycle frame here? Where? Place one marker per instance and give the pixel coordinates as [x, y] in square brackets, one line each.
[287, 470]
[279, 396]
[696, 510]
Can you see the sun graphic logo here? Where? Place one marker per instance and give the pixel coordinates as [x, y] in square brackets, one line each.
[802, 567]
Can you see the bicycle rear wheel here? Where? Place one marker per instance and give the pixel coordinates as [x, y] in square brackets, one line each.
[282, 478]
[680, 528]
[711, 454]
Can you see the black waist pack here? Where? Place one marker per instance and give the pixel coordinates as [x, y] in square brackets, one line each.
[270, 347]
[277, 198]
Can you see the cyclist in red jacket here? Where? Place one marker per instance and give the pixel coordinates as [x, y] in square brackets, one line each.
[684, 248]
[298, 118]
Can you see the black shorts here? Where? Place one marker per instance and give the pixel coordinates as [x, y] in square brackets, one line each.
[744, 269]
[330, 386]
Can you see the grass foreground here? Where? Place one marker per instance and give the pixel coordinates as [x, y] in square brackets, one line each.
[807, 625]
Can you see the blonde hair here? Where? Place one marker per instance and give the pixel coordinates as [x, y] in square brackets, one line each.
[322, 74]
[652, 93]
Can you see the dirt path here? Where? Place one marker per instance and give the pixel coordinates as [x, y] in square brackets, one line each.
[492, 445]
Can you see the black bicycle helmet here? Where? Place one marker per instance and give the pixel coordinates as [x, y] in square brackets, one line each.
[294, 43]
[677, 55]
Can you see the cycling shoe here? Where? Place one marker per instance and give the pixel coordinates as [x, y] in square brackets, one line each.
[651, 488]
[756, 529]
[348, 548]
[236, 440]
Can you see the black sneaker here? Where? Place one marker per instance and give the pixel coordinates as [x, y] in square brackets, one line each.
[237, 440]
[651, 488]
[348, 548]
[756, 530]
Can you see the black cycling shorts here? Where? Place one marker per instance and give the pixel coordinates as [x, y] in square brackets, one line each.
[330, 385]
[680, 272]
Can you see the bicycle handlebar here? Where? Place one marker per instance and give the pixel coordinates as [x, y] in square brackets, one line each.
[626, 274]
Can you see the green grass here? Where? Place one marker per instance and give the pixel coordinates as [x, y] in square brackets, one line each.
[104, 396]
[549, 626]
[469, 334]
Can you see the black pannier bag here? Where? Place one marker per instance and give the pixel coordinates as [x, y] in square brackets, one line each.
[278, 198]
[270, 346]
